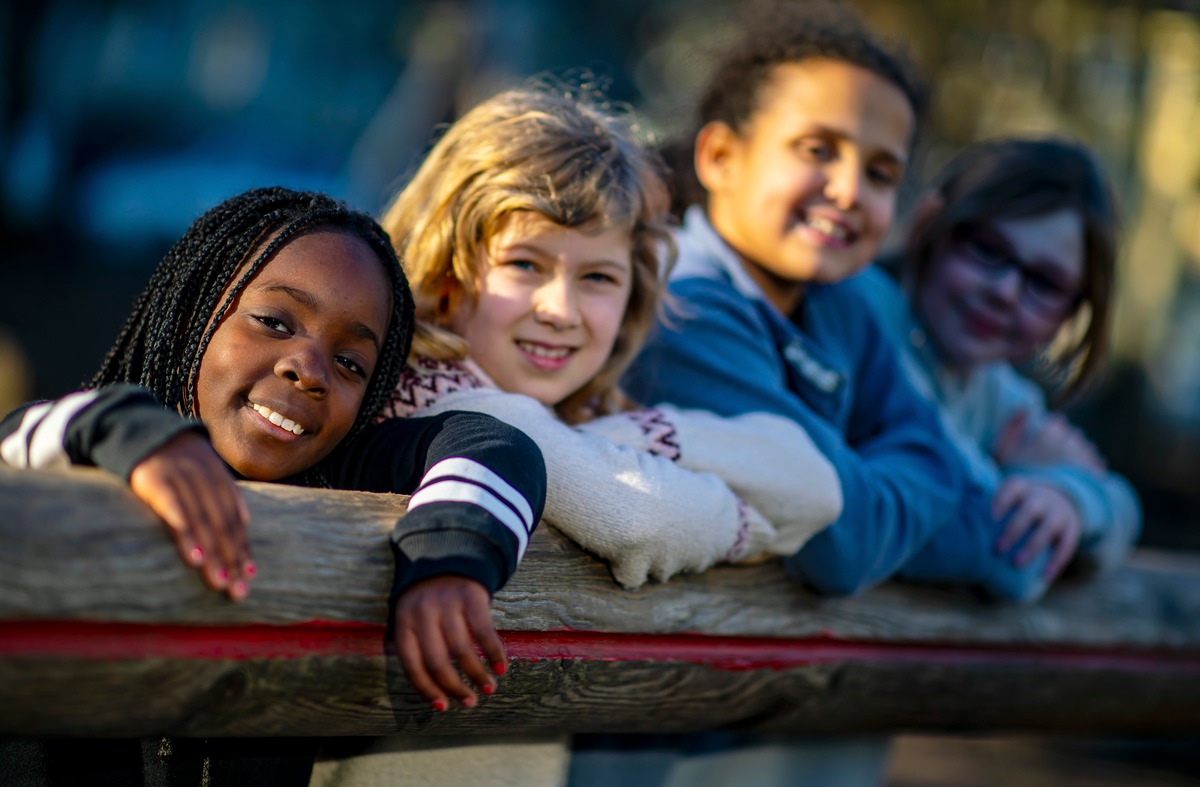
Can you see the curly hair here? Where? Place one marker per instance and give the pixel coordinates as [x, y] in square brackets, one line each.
[176, 314]
[776, 32]
[552, 151]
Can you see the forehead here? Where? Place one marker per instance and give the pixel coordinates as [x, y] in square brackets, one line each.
[589, 242]
[831, 94]
[339, 267]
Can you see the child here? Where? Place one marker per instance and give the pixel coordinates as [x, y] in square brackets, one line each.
[277, 327]
[805, 132]
[534, 238]
[1040, 209]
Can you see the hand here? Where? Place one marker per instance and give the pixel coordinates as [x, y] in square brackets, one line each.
[1055, 441]
[1051, 515]
[188, 486]
[440, 618]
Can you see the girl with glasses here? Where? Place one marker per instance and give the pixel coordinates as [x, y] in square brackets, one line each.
[1009, 271]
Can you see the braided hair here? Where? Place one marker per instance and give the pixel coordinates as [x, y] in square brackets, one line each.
[175, 316]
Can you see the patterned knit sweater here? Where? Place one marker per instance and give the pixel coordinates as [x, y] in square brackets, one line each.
[654, 492]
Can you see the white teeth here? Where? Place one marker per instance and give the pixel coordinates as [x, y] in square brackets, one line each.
[277, 419]
[545, 352]
[827, 227]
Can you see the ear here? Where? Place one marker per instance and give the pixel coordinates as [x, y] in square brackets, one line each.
[450, 298]
[715, 145]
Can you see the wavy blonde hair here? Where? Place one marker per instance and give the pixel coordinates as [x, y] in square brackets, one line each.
[553, 151]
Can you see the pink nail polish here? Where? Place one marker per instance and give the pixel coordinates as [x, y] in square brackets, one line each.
[488, 689]
[251, 569]
[499, 668]
[222, 576]
[440, 705]
[239, 590]
[196, 556]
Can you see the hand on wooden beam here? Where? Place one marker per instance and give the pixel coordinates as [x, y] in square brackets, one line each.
[188, 486]
[443, 618]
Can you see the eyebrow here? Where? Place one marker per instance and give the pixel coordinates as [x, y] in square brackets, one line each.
[529, 246]
[309, 301]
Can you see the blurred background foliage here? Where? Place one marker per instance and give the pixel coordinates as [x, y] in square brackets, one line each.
[122, 120]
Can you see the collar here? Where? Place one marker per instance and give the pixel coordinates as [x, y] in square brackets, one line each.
[698, 232]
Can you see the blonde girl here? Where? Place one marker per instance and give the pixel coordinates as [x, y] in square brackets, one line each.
[534, 239]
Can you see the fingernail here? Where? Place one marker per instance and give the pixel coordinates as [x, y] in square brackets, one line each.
[440, 705]
[222, 576]
[251, 569]
[499, 668]
[238, 590]
[469, 702]
[196, 556]
[488, 689]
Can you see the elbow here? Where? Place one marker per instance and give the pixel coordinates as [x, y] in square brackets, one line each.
[828, 575]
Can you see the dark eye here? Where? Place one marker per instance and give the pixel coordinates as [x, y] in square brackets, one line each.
[991, 254]
[603, 278]
[352, 366]
[882, 176]
[816, 149]
[273, 324]
[1046, 287]
[523, 265]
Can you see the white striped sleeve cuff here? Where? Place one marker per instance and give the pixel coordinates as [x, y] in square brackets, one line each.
[462, 480]
[39, 441]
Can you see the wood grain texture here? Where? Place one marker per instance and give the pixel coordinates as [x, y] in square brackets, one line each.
[1117, 654]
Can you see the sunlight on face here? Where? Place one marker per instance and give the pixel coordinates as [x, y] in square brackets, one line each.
[550, 305]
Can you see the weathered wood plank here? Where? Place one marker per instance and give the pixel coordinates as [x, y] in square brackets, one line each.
[737, 647]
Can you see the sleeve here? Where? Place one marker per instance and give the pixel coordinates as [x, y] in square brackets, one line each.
[900, 480]
[767, 460]
[477, 486]
[113, 428]
[645, 515]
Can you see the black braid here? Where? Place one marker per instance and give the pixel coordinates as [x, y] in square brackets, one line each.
[174, 317]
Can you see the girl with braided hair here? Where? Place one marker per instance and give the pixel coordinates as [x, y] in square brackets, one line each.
[261, 348]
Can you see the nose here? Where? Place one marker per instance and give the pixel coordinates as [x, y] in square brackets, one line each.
[555, 304]
[306, 368]
[1005, 286]
[844, 183]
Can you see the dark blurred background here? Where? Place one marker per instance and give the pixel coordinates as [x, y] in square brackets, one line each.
[122, 120]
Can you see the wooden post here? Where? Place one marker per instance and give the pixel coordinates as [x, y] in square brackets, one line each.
[104, 632]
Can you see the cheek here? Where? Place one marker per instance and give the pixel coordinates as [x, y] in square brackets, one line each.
[605, 316]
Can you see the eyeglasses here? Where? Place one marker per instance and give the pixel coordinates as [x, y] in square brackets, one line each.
[992, 256]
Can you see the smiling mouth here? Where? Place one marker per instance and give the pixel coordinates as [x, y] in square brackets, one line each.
[278, 419]
[542, 351]
[827, 227]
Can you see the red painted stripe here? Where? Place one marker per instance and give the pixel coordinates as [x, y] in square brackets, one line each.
[121, 641]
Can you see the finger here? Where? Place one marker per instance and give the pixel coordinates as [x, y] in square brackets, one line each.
[1022, 519]
[1010, 494]
[409, 650]
[224, 517]
[163, 501]
[1047, 531]
[462, 645]
[439, 666]
[480, 620]
[1064, 550]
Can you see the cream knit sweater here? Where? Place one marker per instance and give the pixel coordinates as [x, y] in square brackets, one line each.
[654, 492]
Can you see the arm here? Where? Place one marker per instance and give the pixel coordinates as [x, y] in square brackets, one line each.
[900, 482]
[166, 460]
[1107, 506]
[478, 489]
[644, 514]
[767, 460]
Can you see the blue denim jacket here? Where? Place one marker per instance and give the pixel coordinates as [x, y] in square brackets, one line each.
[911, 508]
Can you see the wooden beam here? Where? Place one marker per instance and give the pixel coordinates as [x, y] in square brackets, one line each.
[104, 632]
